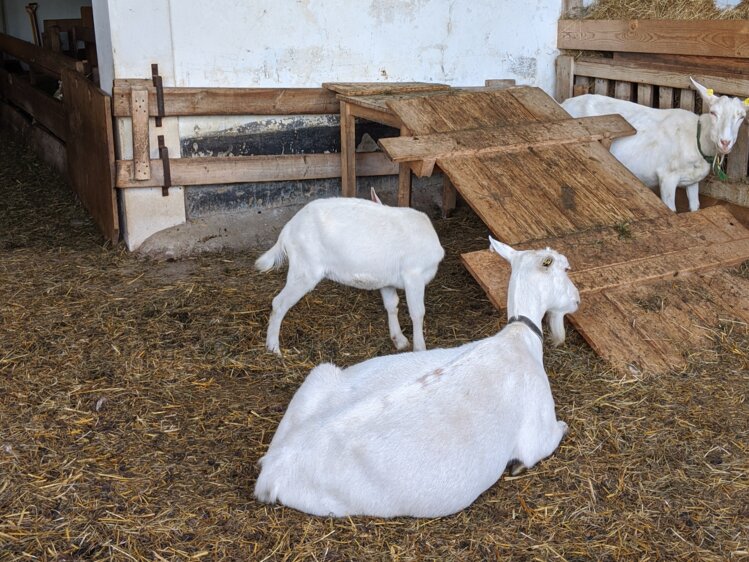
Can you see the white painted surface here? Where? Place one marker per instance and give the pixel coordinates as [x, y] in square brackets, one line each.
[18, 23]
[104, 53]
[140, 35]
[726, 4]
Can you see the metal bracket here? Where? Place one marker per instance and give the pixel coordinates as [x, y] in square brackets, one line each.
[158, 84]
[164, 155]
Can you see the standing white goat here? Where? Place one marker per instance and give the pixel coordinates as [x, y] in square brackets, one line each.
[672, 146]
[423, 434]
[359, 243]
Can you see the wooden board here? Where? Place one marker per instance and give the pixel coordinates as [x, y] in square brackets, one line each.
[91, 151]
[505, 139]
[42, 107]
[43, 59]
[719, 38]
[376, 88]
[289, 167]
[535, 192]
[227, 101]
[650, 292]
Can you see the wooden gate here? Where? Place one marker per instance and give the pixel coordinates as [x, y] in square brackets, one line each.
[90, 150]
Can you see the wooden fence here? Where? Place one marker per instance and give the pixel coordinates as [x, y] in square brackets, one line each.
[650, 62]
[141, 101]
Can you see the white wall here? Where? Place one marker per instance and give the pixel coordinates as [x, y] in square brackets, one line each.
[18, 23]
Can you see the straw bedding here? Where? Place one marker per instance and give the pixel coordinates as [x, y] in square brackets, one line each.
[137, 397]
[662, 9]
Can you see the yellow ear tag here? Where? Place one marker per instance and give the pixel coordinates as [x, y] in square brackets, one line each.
[746, 101]
[547, 261]
[709, 91]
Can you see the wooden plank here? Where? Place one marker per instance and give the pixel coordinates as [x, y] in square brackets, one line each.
[738, 159]
[612, 69]
[45, 59]
[238, 169]
[49, 148]
[601, 86]
[582, 86]
[565, 72]
[378, 116]
[688, 63]
[449, 197]
[404, 179]
[720, 38]
[665, 97]
[141, 149]
[42, 107]
[228, 101]
[91, 150]
[686, 99]
[378, 88]
[623, 90]
[645, 94]
[736, 193]
[348, 148]
[514, 138]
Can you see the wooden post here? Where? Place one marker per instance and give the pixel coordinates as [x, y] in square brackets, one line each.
[404, 178]
[449, 196]
[601, 86]
[141, 149]
[623, 90]
[665, 98]
[564, 78]
[645, 94]
[738, 160]
[686, 99]
[348, 148]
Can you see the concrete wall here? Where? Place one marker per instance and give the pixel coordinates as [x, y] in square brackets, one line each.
[17, 21]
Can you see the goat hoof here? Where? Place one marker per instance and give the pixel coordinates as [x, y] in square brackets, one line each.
[517, 468]
[400, 342]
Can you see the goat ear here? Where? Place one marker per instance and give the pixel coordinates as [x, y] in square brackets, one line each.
[705, 93]
[502, 249]
[373, 195]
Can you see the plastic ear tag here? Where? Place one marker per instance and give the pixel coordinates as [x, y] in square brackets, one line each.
[710, 92]
[547, 261]
[746, 101]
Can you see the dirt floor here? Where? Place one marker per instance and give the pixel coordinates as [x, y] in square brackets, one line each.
[137, 397]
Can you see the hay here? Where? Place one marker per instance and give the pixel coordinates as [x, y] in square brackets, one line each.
[661, 9]
[137, 398]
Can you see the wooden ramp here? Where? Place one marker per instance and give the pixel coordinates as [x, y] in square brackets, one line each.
[655, 286]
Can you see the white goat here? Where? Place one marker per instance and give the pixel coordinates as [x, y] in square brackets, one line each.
[672, 146]
[423, 434]
[358, 243]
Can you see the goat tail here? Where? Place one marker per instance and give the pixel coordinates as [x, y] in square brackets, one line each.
[272, 259]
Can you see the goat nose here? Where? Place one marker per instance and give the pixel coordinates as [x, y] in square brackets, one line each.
[725, 143]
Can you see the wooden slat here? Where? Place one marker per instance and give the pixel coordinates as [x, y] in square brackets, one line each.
[91, 150]
[645, 94]
[506, 139]
[377, 88]
[228, 101]
[665, 97]
[601, 86]
[582, 86]
[736, 193]
[378, 116]
[686, 100]
[42, 107]
[623, 90]
[348, 162]
[738, 160]
[689, 64]
[564, 78]
[207, 171]
[721, 38]
[45, 59]
[141, 150]
[612, 69]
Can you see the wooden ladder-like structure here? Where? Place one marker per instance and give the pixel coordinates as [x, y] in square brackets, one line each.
[655, 286]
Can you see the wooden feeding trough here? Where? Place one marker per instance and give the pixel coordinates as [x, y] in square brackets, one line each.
[654, 284]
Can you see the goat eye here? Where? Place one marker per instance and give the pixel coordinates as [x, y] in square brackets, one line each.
[548, 260]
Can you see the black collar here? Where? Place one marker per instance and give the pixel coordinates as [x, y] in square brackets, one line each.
[528, 322]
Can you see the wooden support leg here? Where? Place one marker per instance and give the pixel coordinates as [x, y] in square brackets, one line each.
[404, 179]
[348, 151]
[449, 196]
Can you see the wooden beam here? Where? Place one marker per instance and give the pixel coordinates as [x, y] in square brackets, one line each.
[612, 69]
[227, 101]
[239, 169]
[44, 59]
[141, 148]
[45, 109]
[736, 193]
[738, 160]
[564, 77]
[718, 38]
[510, 138]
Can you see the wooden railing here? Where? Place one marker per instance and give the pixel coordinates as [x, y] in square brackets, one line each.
[140, 100]
[650, 62]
